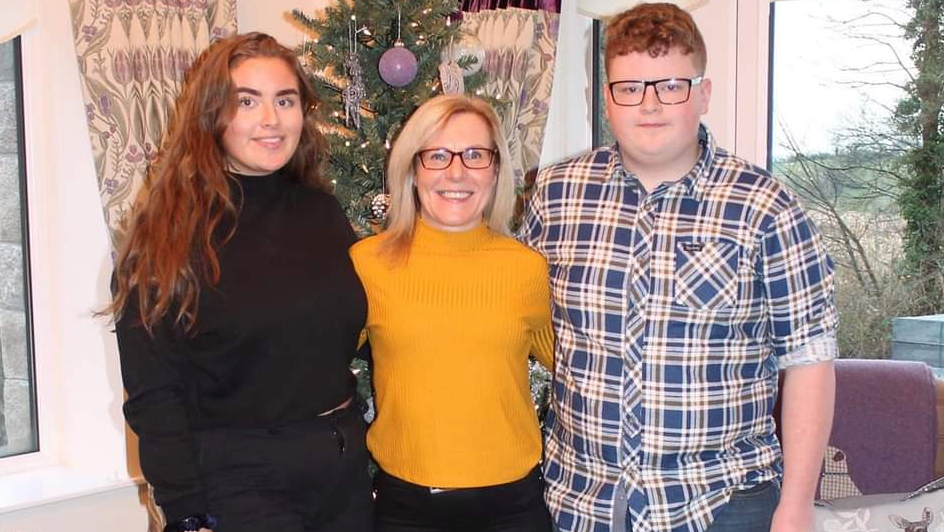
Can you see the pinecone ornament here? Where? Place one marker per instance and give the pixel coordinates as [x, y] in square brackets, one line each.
[379, 206]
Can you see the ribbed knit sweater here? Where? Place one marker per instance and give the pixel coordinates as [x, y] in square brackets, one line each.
[450, 332]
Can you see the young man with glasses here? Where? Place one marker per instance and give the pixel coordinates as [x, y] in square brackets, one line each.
[685, 280]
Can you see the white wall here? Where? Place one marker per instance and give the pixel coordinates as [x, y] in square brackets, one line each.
[112, 511]
[718, 21]
[568, 129]
[274, 17]
[84, 439]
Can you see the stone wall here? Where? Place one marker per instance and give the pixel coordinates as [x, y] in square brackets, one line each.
[16, 410]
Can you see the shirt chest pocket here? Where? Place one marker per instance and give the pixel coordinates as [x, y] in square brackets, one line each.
[706, 274]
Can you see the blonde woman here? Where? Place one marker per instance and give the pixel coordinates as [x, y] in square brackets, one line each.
[454, 308]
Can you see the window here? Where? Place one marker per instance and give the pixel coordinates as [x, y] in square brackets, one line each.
[79, 441]
[74, 426]
[836, 67]
[18, 430]
[838, 136]
[601, 128]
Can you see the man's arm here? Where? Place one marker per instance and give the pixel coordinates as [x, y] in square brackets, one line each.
[808, 398]
[532, 223]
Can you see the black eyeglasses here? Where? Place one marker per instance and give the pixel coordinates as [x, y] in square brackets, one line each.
[441, 158]
[669, 91]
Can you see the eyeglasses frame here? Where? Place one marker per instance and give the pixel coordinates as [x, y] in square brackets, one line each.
[492, 156]
[692, 83]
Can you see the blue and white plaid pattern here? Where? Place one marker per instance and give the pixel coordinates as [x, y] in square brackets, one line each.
[674, 311]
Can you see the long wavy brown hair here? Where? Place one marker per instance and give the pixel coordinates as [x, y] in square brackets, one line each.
[175, 231]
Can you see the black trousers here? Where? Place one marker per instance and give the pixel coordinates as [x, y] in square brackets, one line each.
[310, 476]
[513, 507]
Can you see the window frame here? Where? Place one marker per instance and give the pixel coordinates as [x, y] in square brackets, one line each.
[597, 84]
[23, 172]
[44, 456]
[753, 84]
[85, 446]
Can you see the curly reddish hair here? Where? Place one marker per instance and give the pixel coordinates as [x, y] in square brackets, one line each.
[656, 29]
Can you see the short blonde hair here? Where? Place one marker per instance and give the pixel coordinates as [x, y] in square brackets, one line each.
[423, 124]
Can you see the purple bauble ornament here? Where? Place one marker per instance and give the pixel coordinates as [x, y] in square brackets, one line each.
[397, 66]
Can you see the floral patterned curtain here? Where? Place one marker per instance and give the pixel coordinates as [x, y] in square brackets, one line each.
[519, 46]
[132, 56]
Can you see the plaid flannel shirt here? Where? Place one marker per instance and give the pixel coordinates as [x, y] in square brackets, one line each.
[674, 312]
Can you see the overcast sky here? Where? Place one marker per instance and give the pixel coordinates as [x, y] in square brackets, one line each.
[815, 46]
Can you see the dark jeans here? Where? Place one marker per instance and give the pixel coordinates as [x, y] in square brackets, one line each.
[748, 510]
[513, 507]
[310, 476]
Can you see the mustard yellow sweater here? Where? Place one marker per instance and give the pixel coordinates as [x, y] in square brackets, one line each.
[450, 332]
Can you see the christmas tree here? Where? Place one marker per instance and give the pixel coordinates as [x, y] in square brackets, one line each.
[372, 63]
[369, 84]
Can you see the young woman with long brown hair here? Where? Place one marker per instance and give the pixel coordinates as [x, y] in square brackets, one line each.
[238, 310]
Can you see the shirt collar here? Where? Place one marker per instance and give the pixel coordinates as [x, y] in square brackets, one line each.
[692, 183]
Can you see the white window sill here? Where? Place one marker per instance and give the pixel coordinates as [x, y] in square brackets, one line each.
[28, 489]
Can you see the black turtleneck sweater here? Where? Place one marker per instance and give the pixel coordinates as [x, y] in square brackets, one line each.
[272, 342]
